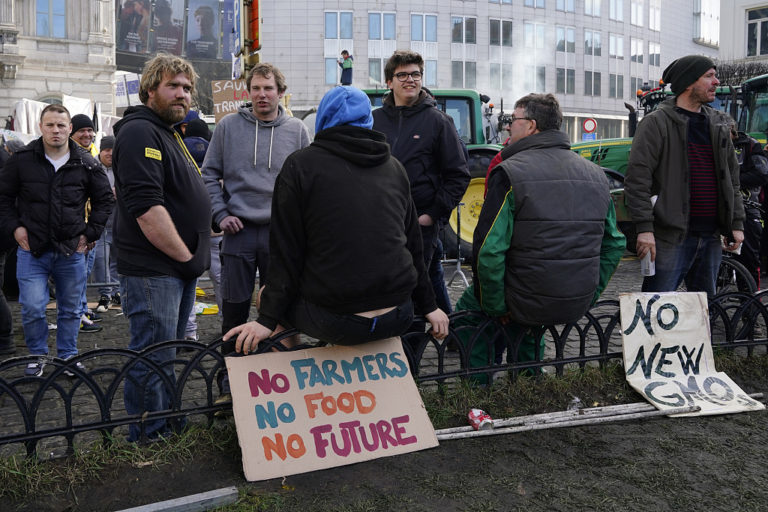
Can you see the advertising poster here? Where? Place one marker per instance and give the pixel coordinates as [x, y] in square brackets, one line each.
[668, 354]
[319, 408]
[228, 46]
[133, 19]
[167, 33]
[203, 29]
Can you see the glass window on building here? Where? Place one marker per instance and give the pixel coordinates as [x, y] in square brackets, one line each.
[566, 81]
[430, 73]
[654, 54]
[500, 32]
[535, 78]
[592, 80]
[51, 18]
[654, 15]
[706, 21]
[565, 39]
[616, 11]
[565, 5]
[616, 46]
[616, 86]
[463, 30]
[534, 35]
[375, 72]
[636, 12]
[592, 44]
[381, 26]
[535, 3]
[592, 7]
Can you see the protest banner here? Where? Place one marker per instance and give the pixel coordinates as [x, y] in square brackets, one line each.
[228, 95]
[668, 354]
[324, 407]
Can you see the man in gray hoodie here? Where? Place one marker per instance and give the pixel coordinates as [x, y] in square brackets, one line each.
[245, 155]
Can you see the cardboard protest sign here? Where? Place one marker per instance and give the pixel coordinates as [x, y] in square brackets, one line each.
[668, 354]
[325, 407]
[228, 95]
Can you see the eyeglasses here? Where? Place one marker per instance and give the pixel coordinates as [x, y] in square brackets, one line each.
[403, 76]
[512, 119]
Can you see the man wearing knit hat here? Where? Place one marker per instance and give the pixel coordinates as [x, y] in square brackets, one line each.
[83, 134]
[105, 264]
[682, 184]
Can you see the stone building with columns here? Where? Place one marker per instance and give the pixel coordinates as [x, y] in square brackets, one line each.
[51, 48]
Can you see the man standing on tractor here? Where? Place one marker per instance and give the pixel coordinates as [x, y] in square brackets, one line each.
[682, 184]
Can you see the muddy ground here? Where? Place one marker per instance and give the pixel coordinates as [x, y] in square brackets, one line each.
[709, 463]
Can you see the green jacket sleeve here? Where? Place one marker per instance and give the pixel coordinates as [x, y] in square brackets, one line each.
[495, 226]
[611, 251]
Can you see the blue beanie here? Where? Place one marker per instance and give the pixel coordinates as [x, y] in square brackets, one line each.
[344, 105]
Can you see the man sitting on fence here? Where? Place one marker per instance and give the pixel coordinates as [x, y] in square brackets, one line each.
[546, 243]
[349, 273]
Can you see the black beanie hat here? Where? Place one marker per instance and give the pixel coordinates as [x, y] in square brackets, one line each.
[81, 121]
[198, 128]
[685, 71]
[107, 142]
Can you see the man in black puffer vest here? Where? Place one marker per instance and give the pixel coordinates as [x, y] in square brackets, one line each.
[546, 242]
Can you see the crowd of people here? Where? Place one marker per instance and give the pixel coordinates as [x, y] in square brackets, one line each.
[341, 232]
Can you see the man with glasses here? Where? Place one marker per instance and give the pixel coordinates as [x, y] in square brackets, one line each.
[543, 253]
[425, 141]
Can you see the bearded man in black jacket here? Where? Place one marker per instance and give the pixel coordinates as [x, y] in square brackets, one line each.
[162, 228]
[349, 274]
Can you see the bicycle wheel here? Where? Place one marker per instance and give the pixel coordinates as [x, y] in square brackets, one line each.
[732, 276]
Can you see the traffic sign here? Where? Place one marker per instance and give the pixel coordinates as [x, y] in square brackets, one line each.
[589, 125]
[588, 136]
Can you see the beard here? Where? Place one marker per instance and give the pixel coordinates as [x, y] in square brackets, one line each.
[166, 112]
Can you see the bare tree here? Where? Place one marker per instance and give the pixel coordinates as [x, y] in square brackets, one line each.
[736, 72]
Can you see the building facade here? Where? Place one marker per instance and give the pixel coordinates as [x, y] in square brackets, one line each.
[51, 48]
[593, 54]
[744, 31]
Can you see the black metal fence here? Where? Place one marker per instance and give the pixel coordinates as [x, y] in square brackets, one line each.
[90, 403]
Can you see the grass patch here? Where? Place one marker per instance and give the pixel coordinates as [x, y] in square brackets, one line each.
[530, 395]
[594, 386]
[21, 476]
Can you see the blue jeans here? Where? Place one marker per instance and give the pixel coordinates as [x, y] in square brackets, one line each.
[105, 266]
[90, 258]
[157, 309]
[68, 274]
[696, 260]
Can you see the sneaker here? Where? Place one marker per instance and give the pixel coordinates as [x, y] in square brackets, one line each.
[116, 299]
[35, 369]
[89, 327]
[93, 317]
[104, 302]
[80, 366]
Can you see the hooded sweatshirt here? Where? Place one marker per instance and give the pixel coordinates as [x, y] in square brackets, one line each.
[153, 167]
[247, 154]
[365, 253]
[425, 141]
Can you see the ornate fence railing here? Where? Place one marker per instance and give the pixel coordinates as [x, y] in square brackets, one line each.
[39, 413]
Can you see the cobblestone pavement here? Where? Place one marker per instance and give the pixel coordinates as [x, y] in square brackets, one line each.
[85, 407]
